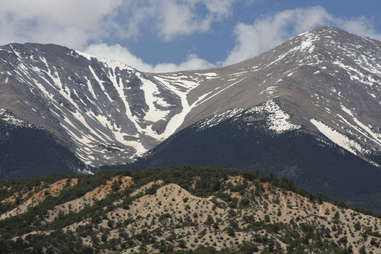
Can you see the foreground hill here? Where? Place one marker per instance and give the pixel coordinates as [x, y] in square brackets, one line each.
[182, 210]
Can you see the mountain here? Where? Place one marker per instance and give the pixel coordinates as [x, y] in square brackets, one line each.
[308, 109]
[325, 82]
[182, 210]
[104, 112]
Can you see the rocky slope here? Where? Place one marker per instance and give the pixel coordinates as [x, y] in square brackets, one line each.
[183, 209]
[325, 82]
[103, 111]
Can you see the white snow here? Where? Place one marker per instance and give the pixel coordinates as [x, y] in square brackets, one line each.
[85, 55]
[42, 89]
[121, 92]
[375, 137]
[337, 138]
[95, 132]
[270, 90]
[218, 92]
[355, 74]
[150, 90]
[278, 120]
[208, 75]
[218, 118]
[85, 172]
[177, 120]
[346, 110]
[43, 59]
[113, 64]
[181, 86]
[15, 51]
[202, 98]
[100, 82]
[240, 73]
[11, 119]
[356, 128]
[91, 89]
[307, 43]
[140, 149]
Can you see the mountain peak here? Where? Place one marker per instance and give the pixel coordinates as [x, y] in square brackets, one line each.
[326, 29]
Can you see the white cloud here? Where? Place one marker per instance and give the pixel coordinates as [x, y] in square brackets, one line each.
[69, 22]
[251, 39]
[119, 53]
[268, 32]
[87, 24]
[193, 62]
[122, 54]
[359, 26]
[75, 23]
[173, 18]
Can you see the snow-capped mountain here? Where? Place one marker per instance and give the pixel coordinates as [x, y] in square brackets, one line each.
[326, 82]
[327, 79]
[106, 112]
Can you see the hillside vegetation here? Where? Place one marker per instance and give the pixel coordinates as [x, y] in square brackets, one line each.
[180, 210]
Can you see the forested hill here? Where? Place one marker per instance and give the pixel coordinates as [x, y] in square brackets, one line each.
[181, 210]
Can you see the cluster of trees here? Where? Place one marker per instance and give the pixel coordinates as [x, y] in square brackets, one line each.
[202, 182]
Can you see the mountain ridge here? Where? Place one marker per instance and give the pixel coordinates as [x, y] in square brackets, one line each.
[320, 89]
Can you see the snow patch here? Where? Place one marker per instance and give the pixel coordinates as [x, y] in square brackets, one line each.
[278, 120]
[219, 118]
[346, 110]
[85, 55]
[375, 137]
[270, 90]
[150, 90]
[307, 43]
[355, 74]
[338, 138]
[177, 120]
[208, 75]
[10, 118]
[100, 82]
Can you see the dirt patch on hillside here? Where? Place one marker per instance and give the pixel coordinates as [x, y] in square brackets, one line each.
[116, 184]
[53, 190]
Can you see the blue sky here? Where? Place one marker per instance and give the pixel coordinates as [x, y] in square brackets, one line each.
[168, 35]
